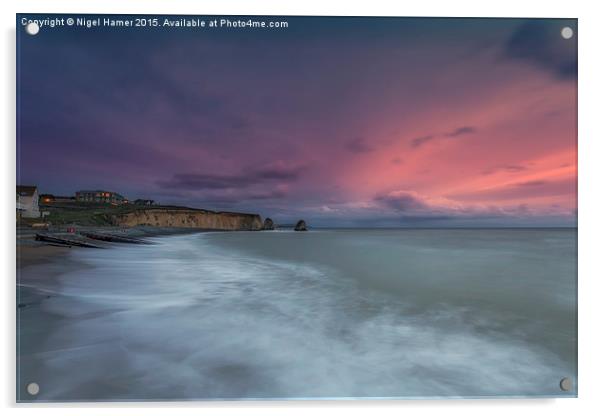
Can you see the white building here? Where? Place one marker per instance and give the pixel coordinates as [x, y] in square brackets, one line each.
[27, 202]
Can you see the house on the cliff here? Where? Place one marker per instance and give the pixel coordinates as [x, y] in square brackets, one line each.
[100, 196]
[55, 199]
[27, 202]
[146, 202]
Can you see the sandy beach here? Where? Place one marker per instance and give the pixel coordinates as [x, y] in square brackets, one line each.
[29, 255]
[38, 267]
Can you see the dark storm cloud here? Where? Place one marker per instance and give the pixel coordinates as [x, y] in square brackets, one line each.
[239, 197]
[419, 219]
[506, 168]
[195, 181]
[539, 43]
[419, 141]
[259, 176]
[531, 183]
[520, 190]
[402, 201]
[461, 131]
[358, 145]
[278, 172]
[275, 194]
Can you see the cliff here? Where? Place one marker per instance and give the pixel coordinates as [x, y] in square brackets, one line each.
[189, 218]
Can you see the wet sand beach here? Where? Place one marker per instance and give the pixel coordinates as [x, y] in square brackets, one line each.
[38, 290]
[38, 266]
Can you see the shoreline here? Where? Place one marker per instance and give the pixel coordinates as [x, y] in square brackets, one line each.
[38, 264]
[38, 270]
[39, 267]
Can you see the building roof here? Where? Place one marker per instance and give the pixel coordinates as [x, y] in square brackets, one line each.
[100, 191]
[24, 190]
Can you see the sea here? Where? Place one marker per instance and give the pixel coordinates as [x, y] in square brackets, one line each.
[323, 314]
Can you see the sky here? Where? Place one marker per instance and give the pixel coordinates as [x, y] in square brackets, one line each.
[351, 122]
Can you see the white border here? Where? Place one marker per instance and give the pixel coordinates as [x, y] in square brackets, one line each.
[590, 137]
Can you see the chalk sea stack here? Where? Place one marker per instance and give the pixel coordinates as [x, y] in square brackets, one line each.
[268, 224]
[301, 226]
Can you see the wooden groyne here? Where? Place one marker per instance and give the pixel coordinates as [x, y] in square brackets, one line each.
[112, 238]
[64, 241]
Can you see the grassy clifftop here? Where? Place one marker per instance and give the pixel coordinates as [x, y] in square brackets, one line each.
[80, 214]
[87, 214]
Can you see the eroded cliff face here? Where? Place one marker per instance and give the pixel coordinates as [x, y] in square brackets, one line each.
[193, 218]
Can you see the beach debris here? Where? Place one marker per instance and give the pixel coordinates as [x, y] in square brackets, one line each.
[64, 241]
[301, 226]
[112, 238]
[268, 224]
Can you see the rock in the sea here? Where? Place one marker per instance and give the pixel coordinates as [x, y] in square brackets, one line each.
[301, 226]
[268, 224]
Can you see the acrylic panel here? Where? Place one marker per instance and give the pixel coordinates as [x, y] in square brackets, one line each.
[278, 207]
